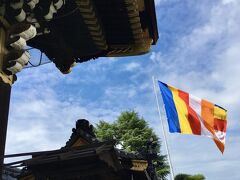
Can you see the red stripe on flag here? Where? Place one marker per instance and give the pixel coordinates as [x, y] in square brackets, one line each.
[220, 125]
[192, 115]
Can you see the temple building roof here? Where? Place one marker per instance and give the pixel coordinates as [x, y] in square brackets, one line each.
[84, 157]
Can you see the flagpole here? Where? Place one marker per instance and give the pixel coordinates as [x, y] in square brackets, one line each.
[163, 129]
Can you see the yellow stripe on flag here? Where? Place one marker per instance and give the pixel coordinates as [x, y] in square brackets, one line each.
[220, 113]
[182, 112]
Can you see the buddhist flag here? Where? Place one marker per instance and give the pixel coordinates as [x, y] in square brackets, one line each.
[188, 114]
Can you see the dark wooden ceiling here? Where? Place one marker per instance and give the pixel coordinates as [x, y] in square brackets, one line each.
[87, 29]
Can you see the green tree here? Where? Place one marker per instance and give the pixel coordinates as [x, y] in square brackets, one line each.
[189, 177]
[132, 133]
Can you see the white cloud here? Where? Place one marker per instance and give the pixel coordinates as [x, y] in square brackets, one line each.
[41, 117]
[229, 1]
[120, 92]
[158, 2]
[131, 66]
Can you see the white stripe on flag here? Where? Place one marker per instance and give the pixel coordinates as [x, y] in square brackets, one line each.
[221, 136]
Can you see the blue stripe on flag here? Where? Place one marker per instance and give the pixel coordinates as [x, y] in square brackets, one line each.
[171, 111]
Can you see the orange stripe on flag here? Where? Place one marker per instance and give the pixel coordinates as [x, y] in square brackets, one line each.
[207, 114]
[192, 115]
[220, 145]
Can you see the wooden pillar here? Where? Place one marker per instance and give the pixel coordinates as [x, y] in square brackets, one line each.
[5, 92]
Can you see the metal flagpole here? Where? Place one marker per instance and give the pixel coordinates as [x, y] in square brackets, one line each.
[163, 129]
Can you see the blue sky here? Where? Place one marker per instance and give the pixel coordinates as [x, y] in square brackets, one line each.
[198, 51]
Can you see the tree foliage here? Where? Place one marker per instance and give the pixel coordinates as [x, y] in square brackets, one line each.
[189, 177]
[132, 133]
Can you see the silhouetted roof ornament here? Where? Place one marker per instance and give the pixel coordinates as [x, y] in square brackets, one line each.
[82, 134]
